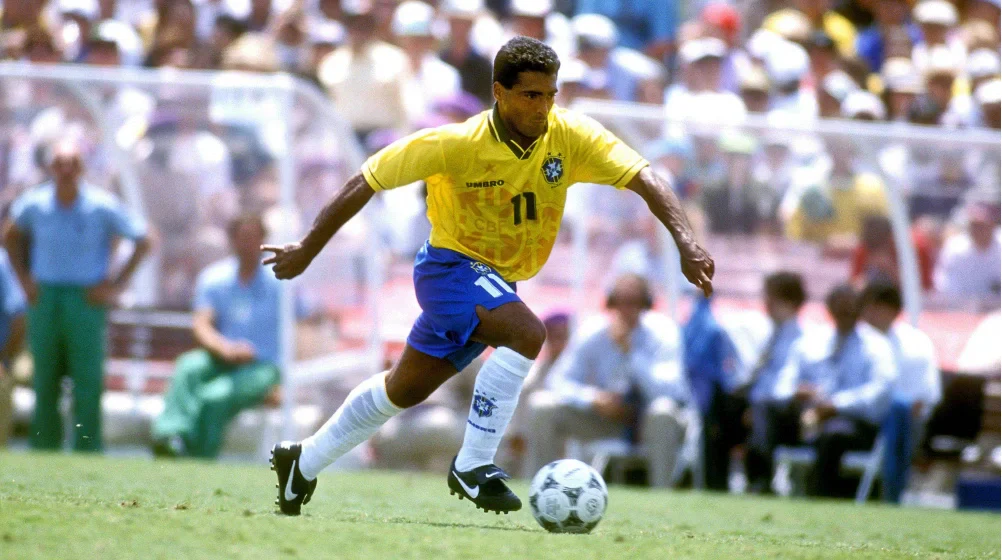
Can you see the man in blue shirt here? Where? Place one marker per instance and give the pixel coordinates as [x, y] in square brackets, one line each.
[618, 374]
[236, 325]
[12, 329]
[840, 380]
[645, 25]
[771, 421]
[70, 228]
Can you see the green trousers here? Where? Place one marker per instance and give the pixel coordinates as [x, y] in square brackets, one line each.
[66, 338]
[205, 394]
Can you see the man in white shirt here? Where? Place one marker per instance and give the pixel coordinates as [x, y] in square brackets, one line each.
[970, 262]
[431, 78]
[841, 379]
[915, 392]
[619, 374]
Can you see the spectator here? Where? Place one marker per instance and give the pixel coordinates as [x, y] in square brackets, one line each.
[618, 71]
[876, 256]
[823, 55]
[787, 64]
[982, 66]
[754, 87]
[722, 21]
[838, 382]
[644, 25]
[989, 98]
[833, 90]
[617, 375]
[936, 18]
[916, 391]
[820, 16]
[236, 325]
[537, 19]
[710, 360]
[431, 78]
[366, 78]
[970, 262]
[73, 228]
[769, 421]
[12, 329]
[475, 70]
[902, 84]
[735, 202]
[699, 96]
[773, 167]
[889, 15]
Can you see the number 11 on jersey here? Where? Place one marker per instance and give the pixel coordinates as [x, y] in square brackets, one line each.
[486, 284]
[530, 206]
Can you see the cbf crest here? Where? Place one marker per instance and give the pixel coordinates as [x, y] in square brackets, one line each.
[553, 168]
[483, 405]
[480, 268]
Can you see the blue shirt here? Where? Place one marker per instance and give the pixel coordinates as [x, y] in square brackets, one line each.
[12, 300]
[639, 22]
[593, 362]
[241, 311]
[72, 245]
[774, 357]
[856, 378]
[708, 354]
[870, 44]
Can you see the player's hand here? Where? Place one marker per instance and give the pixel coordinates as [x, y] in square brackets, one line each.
[697, 266]
[290, 260]
[611, 406]
[239, 352]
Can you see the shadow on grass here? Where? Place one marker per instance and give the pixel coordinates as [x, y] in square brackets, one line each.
[402, 521]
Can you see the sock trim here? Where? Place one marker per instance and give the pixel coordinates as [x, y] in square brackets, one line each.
[511, 361]
[381, 398]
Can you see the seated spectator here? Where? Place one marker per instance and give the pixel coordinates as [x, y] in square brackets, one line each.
[431, 78]
[916, 390]
[837, 385]
[700, 96]
[619, 375]
[902, 83]
[820, 15]
[876, 256]
[617, 70]
[735, 202]
[787, 64]
[784, 296]
[723, 21]
[830, 200]
[935, 19]
[236, 325]
[982, 66]
[970, 262]
[989, 99]
[475, 70]
[833, 90]
[13, 325]
[754, 87]
[889, 15]
[710, 361]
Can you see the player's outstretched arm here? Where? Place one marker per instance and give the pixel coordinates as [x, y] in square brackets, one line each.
[291, 259]
[697, 265]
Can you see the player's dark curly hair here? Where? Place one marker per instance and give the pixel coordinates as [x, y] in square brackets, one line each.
[523, 54]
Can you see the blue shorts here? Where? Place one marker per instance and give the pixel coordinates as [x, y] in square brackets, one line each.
[449, 286]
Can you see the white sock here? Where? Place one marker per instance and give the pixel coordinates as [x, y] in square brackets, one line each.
[360, 415]
[495, 395]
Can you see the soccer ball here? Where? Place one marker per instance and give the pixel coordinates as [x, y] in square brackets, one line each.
[568, 496]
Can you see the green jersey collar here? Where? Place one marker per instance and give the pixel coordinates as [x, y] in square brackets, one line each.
[500, 132]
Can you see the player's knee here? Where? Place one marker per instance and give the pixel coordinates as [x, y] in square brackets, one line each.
[532, 335]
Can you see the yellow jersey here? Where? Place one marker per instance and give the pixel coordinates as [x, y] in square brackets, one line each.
[493, 201]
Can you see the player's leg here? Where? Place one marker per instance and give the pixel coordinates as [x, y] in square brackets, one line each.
[377, 399]
[517, 336]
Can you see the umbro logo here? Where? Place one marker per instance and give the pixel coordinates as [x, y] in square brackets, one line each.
[485, 184]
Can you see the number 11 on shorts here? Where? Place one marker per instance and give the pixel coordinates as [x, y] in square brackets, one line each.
[486, 284]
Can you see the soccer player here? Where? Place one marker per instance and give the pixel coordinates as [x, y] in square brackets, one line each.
[496, 191]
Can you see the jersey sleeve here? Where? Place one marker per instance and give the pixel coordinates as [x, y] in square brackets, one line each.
[405, 161]
[601, 157]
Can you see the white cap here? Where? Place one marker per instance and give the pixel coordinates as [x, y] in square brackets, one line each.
[862, 102]
[413, 19]
[572, 71]
[86, 8]
[761, 43]
[531, 8]
[899, 74]
[838, 84]
[698, 49]
[989, 93]
[983, 63]
[935, 12]
[597, 30]
[468, 9]
[786, 62]
[941, 60]
[323, 31]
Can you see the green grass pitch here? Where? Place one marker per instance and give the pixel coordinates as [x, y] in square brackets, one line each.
[63, 506]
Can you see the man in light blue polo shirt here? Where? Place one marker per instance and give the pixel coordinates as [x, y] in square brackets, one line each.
[69, 228]
[236, 324]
